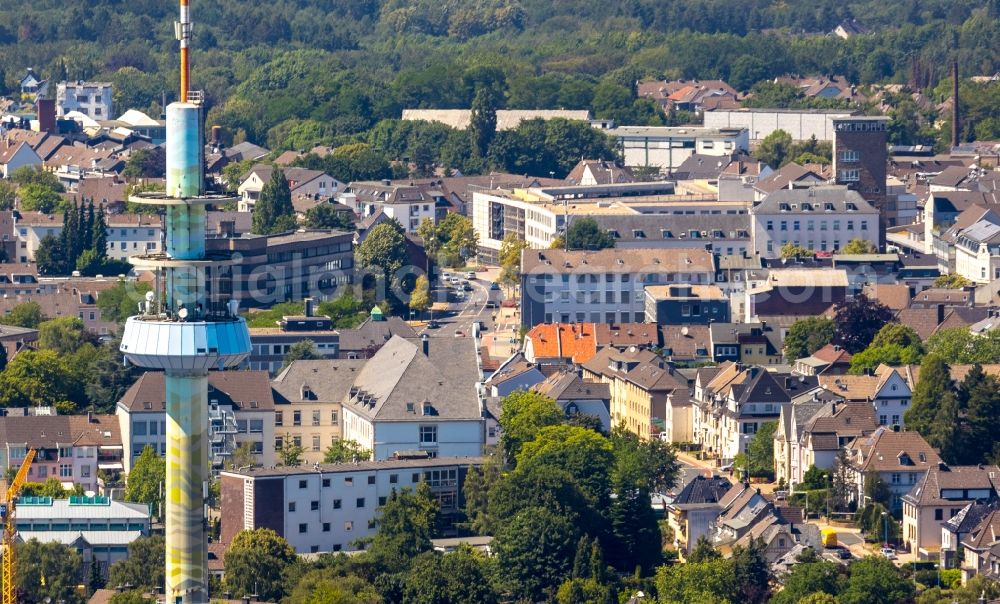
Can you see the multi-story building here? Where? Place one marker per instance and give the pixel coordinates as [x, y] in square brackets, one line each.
[241, 410]
[834, 425]
[748, 343]
[733, 400]
[900, 459]
[860, 161]
[940, 495]
[71, 448]
[308, 400]
[666, 148]
[417, 396]
[695, 507]
[92, 99]
[888, 390]
[645, 391]
[977, 250]
[314, 263]
[605, 286]
[408, 204]
[800, 124]
[329, 507]
[134, 235]
[683, 304]
[303, 183]
[822, 219]
[97, 527]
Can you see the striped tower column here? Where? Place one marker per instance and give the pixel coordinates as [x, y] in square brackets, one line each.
[187, 473]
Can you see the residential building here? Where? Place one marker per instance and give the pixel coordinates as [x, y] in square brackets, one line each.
[17, 155]
[329, 507]
[33, 84]
[605, 286]
[578, 396]
[93, 99]
[743, 507]
[98, 528]
[748, 343]
[824, 87]
[695, 96]
[794, 293]
[241, 410]
[417, 396]
[694, 508]
[735, 271]
[304, 184]
[788, 433]
[940, 495]
[590, 172]
[977, 250]
[666, 147]
[646, 392]
[133, 235]
[821, 218]
[979, 547]
[835, 425]
[954, 530]
[684, 304]
[860, 160]
[800, 124]
[900, 459]
[733, 400]
[888, 390]
[308, 400]
[687, 344]
[513, 374]
[830, 359]
[409, 204]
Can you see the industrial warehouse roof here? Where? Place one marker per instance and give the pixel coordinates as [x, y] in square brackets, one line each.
[64, 509]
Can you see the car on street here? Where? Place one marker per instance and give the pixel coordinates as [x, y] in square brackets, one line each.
[844, 554]
[466, 287]
[459, 333]
[494, 287]
[433, 324]
[470, 275]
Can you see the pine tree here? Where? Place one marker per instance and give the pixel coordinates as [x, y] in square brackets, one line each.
[483, 123]
[99, 232]
[61, 253]
[582, 558]
[982, 417]
[927, 395]
[273, 212]
[87, 228]
[73, 249]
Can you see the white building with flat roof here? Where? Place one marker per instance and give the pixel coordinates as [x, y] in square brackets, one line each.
[92, 99]
[801, 124]
[666, 147]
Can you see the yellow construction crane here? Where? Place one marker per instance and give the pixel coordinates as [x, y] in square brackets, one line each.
[10, 528]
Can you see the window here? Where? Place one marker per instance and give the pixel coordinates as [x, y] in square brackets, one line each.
[314, 506]
[296, 418]
[349, 481]
[415, 478]
[849, 175]
[848, 155]
[277, 418]
[291, 506]
[784, 225]
[393, 478]
[381, 501]
[336, 504]
[326, 527]
[770, 225]
[428, 435]
[139, 429]
[334, 418]
[348, 526]
[360, 502]
[895, 420]
[279, 442]
[65, 470]
[896, 478]
[303, 527]
[316, 443]
[256, 426]
[315, 418]
[371, 479]
[303, 483]
[326, 482]
[938, 514]
[883, 420]
[795, 225]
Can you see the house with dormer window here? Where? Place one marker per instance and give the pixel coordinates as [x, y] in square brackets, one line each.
[901, 459]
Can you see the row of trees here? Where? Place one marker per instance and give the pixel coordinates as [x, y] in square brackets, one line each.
[82, 245]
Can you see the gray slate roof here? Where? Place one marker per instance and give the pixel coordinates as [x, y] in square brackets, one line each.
[327, 380]
[818, 197]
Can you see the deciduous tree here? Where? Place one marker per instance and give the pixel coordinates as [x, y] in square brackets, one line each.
[808, 335]
[345, 451]
[255, 562]
[273, 211]
[145, 483]
[858, 319]
[535, 549]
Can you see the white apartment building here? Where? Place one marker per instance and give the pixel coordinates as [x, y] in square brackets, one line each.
[666, 148]
[605, 286]
[977, 251]
[417, 396]
[303, 183]
[241, 410]
[92, 99]
[409, 205]
[128, 234]
[328, 507]
[822, 219]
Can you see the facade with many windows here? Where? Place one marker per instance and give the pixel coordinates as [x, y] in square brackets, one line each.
[821, 219]
[328, 507]
[241, 410]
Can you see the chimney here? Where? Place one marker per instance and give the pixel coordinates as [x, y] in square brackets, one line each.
[954, 103]
[308, 303]
[425, 344]
[833, 408]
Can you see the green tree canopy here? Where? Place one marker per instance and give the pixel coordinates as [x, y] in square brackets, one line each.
[461, 577]
[585, 234]
[330, 216]
[952, 281]
[759, 457]
[808, 335]
[273, 211]
[858, 319]
[523, 414]
[144, 567]
[793, 250]
[25, 314]
[535, 550]
[420, 297]
[59, 564]
[345, 451]
[145, 481]
[859, 246]
[510, 259]
[934, 382]
[303, 350]
[775, 148]
[255, 562]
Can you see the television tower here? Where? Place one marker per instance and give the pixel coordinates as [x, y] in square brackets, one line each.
[185, 327]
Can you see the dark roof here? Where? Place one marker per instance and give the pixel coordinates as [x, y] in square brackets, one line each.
[326, 380]
[566, 386]
[247, 390]
[51, 431]
[703, 489]
[371, 335]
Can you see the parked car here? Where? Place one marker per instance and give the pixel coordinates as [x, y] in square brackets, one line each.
[888, 553]
[844, 554]
[459, 333]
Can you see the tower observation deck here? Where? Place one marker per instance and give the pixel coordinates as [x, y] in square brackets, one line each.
[186, 328]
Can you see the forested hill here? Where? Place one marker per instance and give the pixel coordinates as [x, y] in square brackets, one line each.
[328, 69]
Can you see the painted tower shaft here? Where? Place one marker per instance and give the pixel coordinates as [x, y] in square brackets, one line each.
[185, 330]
